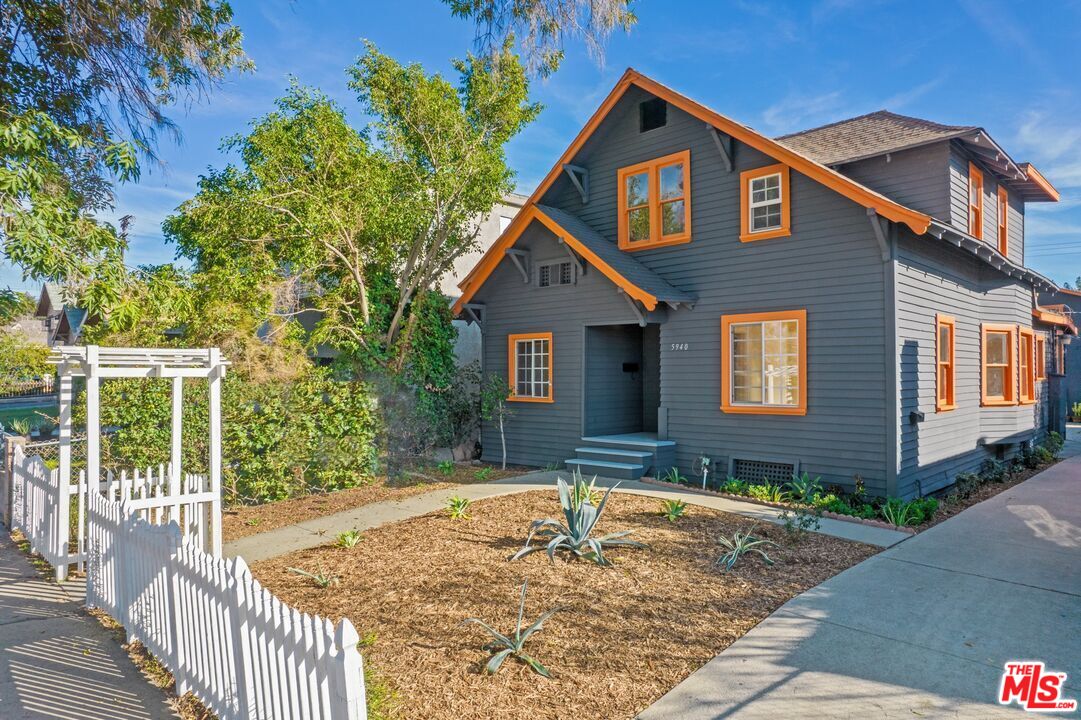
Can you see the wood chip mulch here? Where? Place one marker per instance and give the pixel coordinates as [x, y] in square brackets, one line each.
[624, 636]
[243, 520]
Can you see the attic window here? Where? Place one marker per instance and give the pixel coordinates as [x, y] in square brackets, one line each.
[652, 114]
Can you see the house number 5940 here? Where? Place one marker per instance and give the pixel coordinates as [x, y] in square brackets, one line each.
[680, 346]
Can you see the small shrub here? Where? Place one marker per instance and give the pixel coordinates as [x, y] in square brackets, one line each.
[252, 522]
[458, 508]
[349, 538]
[504, 646]
[921, 510]
[1043, 455]
[446, 467]
[673, 476]
[799, 521]
[966, 483]
[822, 502]
[673, 510]
[766, 492]
[739, 545]
[574, 536]
[802, 489]
[994, 471]
[911, 513]
[551, 467]
[732, 486]
[1053, 442]
[483, 474]
[322, 578]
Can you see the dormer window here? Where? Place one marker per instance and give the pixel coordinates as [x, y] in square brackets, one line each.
[764, 200]
[975, 201]
[655, 202]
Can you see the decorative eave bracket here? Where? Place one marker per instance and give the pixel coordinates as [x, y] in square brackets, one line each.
[573, 256]
[724, 146]
[634, 307]
[579, 177]
[520, 258]
[474, 312]
[880, 233]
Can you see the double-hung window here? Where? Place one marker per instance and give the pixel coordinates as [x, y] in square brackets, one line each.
[1026, 365]
[764, 203]
[1041, 358]
[945, 391]
[999, 365]
[655, 202]
[975, 201]
[764, 363]
[530, 367]
[1003, 221]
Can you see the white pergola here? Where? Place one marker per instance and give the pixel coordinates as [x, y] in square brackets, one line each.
[98, 363]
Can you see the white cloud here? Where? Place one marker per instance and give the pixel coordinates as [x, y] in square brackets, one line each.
[799, 112]
[899, 100]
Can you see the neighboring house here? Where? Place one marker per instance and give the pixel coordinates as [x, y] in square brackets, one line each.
[1068, 303]
[467, 347]
[63, 323]
[851, 301]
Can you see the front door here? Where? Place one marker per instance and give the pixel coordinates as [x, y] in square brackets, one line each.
[622, 379]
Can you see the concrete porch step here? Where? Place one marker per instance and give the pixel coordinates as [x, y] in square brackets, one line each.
[607, 468]
[631, 457]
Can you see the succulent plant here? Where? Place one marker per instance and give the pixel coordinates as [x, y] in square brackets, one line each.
[458, 508]
[673, 510]
[504, 646]
[739, 545]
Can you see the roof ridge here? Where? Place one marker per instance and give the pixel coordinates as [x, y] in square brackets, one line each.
[830, 124]
[881, 112]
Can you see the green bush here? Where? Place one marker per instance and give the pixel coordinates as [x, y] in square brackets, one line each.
[278, 439]
[1053, 442]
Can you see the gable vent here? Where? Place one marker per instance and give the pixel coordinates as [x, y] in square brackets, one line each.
[652, 114]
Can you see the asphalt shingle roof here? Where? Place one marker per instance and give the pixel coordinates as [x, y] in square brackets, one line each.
[623, 263]
[867, 136]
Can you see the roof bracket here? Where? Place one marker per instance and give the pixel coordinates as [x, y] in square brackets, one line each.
[518, 257]
[634, 306]
[580, 178]
[724, 146]
[573, 256]
[474, 311]
[880, 233]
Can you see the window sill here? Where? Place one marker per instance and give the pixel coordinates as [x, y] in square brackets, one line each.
[998, 403]
[514, 398]
[649, 244]
[1028, 402]
[765, 234]
[762, 410]
[945, 408]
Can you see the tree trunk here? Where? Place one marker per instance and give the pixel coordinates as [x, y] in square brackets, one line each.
[502, 437]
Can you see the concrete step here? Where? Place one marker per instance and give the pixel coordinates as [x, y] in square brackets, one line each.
[630, 442]
[606, 468]
[631, 457]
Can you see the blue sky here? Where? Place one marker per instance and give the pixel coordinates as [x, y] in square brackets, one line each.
[779, 67]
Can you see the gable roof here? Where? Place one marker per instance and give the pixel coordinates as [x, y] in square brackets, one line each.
[869, 135]
[917, 221]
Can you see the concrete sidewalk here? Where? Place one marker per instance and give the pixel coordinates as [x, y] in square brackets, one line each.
[57, 662]
[319, 531]
[920, 630]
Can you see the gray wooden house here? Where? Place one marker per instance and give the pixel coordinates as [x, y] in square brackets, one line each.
[851, 301]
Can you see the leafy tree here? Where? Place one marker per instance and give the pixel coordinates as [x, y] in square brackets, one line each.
[543, 25]
[493, 407]
[13, 305]
[83, 87]
[321, 216]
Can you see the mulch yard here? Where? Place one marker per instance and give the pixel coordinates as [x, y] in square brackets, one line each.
[242, 520]
[624, 635]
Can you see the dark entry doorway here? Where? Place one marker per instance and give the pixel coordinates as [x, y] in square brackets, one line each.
[622, 379]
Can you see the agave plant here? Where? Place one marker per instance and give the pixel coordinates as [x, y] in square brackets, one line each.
[323, 578]
[349, 538]
[458, 508]
[740, 544]
[580, 492]
[20, 426]
[803, 489]
[673, 510]
[574, 535]
[504, 646]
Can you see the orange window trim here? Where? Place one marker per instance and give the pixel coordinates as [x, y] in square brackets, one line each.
[945, 370]
[1026, 367]
[1003, 221]
[727, 321]
[1010, 390]
[745, 178]
[512, 367]
[975, 201]
[1041, 358]
[653, 170]
[1060, 357]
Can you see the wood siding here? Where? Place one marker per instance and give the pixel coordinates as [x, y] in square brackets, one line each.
[918, 178]
[958, 193]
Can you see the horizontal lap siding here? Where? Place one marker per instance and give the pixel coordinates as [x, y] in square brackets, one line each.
[917, 178]
[830, 265]
[933, 278]
[959, 206]
[543, 433]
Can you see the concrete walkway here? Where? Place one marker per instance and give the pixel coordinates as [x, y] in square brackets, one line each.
[56, 661]
[319, 531]
[920, 630]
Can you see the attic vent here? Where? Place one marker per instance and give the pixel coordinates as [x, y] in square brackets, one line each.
[652, 114]
[756, 471]
[560, 273]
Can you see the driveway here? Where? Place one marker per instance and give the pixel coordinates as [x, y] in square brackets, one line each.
[921, 630]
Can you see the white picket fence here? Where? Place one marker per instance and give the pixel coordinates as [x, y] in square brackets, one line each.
[35, 508]
[240, 650]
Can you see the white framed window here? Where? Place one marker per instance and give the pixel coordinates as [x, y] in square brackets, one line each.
[530, 360]
[765, 203]
[764, 362]
[557, 273]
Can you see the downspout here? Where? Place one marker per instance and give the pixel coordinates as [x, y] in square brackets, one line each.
[891, 360]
